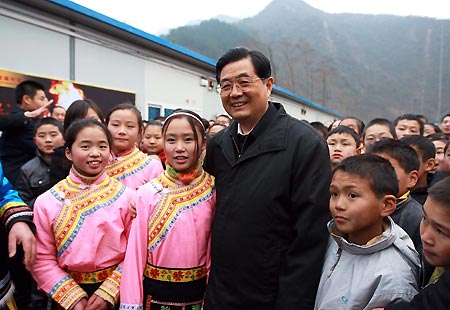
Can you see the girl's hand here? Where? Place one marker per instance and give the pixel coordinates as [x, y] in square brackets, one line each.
[133, 209]
[97, 303]
[80, 305]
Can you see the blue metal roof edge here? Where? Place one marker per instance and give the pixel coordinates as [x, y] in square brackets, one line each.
[308, 102]
[120, 25]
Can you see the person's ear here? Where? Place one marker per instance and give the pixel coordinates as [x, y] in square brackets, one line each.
[389, 205]
[68, 154]
[413, 177]
[430, 164]
[359, 149]
[269, 83]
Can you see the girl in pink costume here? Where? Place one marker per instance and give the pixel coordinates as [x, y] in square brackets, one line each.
[167, 258]
[82, 225]
[128, 164]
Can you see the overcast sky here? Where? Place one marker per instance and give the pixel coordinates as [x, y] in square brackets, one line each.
[159, 15]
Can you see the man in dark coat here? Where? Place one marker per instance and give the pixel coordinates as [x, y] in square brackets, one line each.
[272, 178]
[16, 142]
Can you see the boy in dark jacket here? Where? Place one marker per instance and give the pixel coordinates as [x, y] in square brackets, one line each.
[403, 158]
[33, 179]
[435, 234]
[426, 152]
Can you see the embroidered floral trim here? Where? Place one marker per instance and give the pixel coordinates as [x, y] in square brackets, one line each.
[91, 277]
[174, 275]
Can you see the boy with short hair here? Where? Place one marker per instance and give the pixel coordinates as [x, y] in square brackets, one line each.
[354, 123]
[16, 141]
[435, 234]
[426, 152]
[34, 177]
[377, 129]
[342, 142]
[405, 161]
[408, 125]
[370, 261]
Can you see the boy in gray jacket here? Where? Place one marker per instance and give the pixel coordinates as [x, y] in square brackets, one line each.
[370, 261]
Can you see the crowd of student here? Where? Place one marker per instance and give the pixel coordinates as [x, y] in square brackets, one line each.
[152, 215]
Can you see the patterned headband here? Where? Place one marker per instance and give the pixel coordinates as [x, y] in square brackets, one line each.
[187, 114]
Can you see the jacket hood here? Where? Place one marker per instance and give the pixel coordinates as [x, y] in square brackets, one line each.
[393, 235]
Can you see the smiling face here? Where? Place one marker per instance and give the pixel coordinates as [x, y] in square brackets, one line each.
[435, 233]
[90, 151]
[248, 107]
[182, 149]
[355, 208]
[125, 130]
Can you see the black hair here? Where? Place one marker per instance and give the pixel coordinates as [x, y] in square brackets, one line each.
[49, 121]
[377, 170]
[194, 122]
[425, 147]
[260, 62]
[79, 109]
[440, 192]
[422, 118]
[359, 122]
[382, 122]
[53, 107]
[442, 119]
[154, 123]
[320, 127]
[438, 136]
[27, 88]
[80, 124]
[435, 127]
[404, 154]
[446, 146]
[345, 130]
[410, 117]
[126, 106]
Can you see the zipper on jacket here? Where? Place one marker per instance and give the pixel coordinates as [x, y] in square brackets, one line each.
[338, 257]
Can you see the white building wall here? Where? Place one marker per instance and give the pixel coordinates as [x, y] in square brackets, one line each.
[30, 49]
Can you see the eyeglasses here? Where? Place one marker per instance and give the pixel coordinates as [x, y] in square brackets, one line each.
[243, 83]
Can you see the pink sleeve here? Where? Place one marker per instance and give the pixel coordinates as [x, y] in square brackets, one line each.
[46, 271]
[131, 288]
[154, 169]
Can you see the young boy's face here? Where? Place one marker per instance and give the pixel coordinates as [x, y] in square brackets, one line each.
[352, 123]
[47, 138]
[446, 165]
[375, 133]
[341, 146]
[406, 127]
[435, 233]
[406, 181]
[439, 145]
[425, 166]
[355, 208]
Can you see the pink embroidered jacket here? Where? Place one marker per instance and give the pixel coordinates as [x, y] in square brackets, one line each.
[81, 228]
[182, 239]
[133, 168]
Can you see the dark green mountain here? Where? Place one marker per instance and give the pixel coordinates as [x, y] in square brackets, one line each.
[362, 65]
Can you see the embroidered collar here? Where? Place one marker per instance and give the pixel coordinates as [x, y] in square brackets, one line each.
[81, 179]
